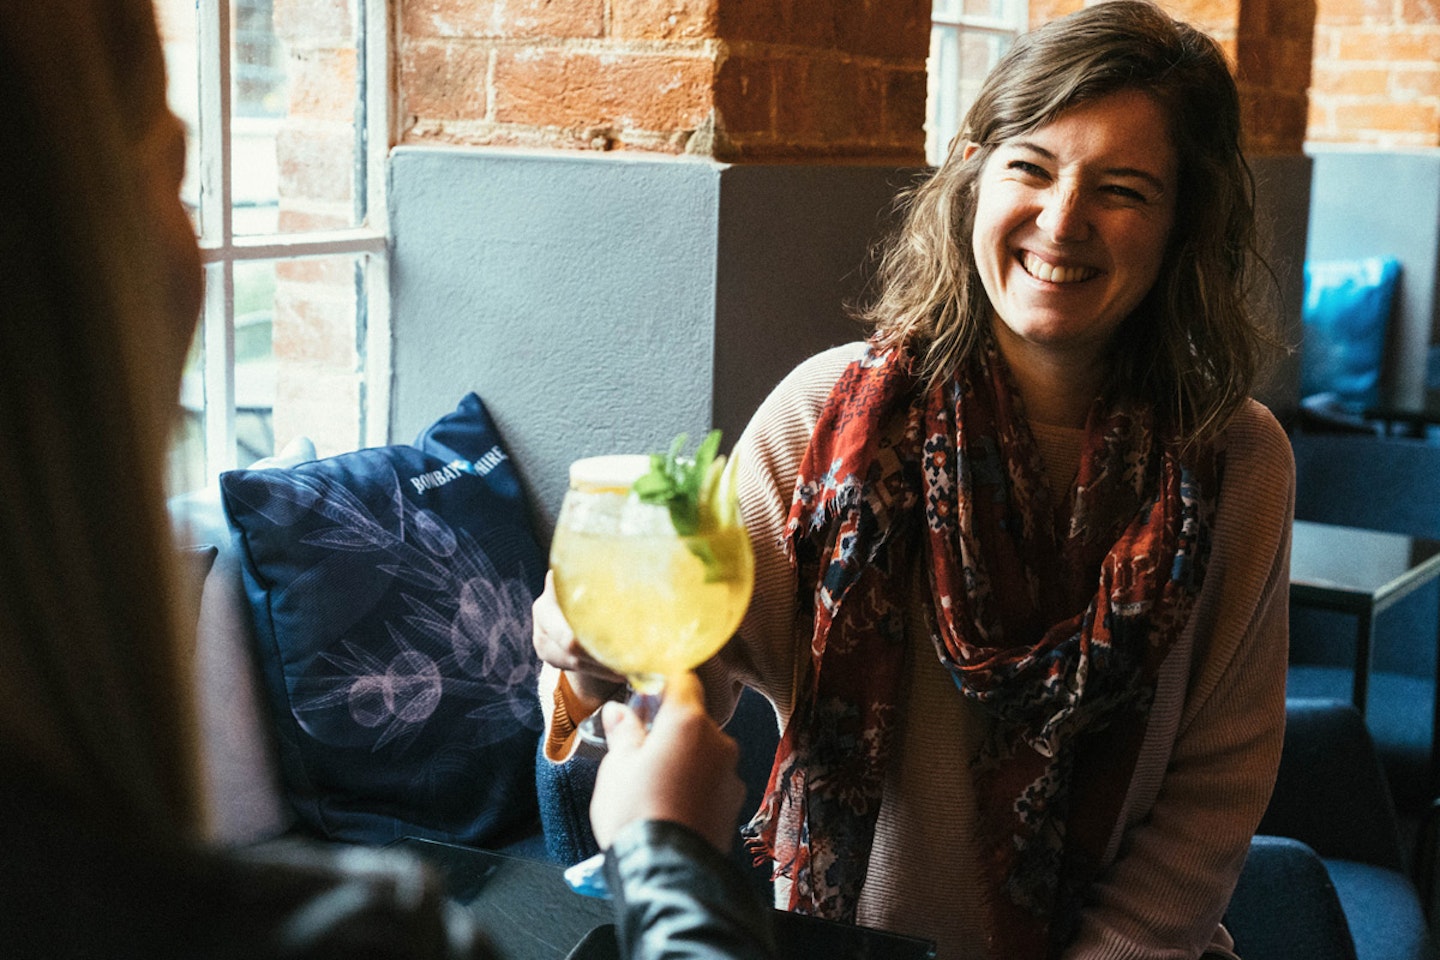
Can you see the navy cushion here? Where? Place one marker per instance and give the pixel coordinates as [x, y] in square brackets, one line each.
[1346, 315]
[391, 590]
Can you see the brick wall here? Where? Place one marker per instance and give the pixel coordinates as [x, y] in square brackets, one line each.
[1377, 73]
[730, 79]
[1268, 43]
[1273, 42]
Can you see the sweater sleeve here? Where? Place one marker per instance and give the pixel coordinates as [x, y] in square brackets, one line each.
[1176, 866]
[765, 654]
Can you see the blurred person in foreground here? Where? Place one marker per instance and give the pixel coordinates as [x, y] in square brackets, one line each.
[101, 813]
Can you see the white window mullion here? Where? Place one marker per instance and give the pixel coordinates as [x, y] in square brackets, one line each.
[375, 337]
[220, 451]
[376, 60]
[217, 231]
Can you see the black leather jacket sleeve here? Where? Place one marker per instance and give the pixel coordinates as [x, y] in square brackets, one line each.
[677, 898]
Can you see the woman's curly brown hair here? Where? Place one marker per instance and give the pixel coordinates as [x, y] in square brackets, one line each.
[1192, 347]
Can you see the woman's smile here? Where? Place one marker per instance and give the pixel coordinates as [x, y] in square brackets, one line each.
[1049, 272]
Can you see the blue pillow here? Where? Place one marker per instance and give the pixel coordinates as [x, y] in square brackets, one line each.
[391, 591]
[1346, 317]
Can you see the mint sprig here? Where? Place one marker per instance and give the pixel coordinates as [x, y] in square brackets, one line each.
[676, 481]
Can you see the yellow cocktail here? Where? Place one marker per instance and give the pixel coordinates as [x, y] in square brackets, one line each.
[643, 599]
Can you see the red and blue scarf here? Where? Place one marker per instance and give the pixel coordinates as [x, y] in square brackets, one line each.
[1054, 620]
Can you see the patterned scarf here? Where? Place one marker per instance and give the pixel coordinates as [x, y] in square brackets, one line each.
[1054, 621]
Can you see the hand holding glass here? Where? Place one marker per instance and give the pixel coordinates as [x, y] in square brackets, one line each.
[642, 598]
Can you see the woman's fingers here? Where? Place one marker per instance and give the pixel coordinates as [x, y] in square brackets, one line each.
[556, 644]
[683, 770]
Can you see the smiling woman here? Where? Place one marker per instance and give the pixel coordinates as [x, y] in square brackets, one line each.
[1031, 692]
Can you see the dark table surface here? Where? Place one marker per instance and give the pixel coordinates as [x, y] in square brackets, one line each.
[529, 913]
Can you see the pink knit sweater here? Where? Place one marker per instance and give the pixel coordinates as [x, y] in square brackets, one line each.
[1208, 762]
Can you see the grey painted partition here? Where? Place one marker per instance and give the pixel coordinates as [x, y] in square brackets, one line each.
[1370, 203]
[603, 303]
[1282, 205]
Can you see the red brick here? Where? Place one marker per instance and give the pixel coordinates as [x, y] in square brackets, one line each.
[1273, 123]
[1389, 116]
[1340, 80]
[831, 101]
[905, 108]
[1292, 19]
[314, 22]
[664, 19]
[1320, 120]
[1418, 83]
[311, 220]
[1390, 45]
[1219, 17]
[440, 79]
[745, 95]
[316, 161]
[807, 23]
[898, 29]
[1420, 12]
[1043, 11]
[332, 272]
[502, 18]
[1285, 64]
[323, 84]
[315, 329]
[1350, 12]
[580, 88]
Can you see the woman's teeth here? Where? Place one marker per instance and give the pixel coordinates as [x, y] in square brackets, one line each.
[1052, 274]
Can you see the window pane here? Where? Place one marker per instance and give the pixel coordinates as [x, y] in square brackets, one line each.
[979, 52]
[180, 32]
[989, 9]
[317, 307]
[946, 9]
[297, 113]
[943, 120]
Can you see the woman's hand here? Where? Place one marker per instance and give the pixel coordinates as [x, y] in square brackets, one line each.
[682, 770]
[555, 644]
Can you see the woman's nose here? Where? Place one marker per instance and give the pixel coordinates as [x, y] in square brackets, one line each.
[1062, 215]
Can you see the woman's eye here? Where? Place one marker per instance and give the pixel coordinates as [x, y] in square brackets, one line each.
[1026, 167]
[1129, 194]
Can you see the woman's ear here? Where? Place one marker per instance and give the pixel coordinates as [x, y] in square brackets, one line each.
[969, 150]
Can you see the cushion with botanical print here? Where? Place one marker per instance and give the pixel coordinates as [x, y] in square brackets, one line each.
[391, 589]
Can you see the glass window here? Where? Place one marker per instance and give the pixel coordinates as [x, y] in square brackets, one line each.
[287, 140]
[967, 39]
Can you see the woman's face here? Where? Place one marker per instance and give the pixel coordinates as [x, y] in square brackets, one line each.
[1071, 226]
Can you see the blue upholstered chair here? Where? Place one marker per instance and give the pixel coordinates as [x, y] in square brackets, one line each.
[1332, 795]
[1285, 907]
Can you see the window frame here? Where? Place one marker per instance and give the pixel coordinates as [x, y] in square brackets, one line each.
[221, 249]
[1011, 26]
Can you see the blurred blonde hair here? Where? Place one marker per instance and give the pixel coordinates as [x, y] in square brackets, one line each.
[95, 686]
